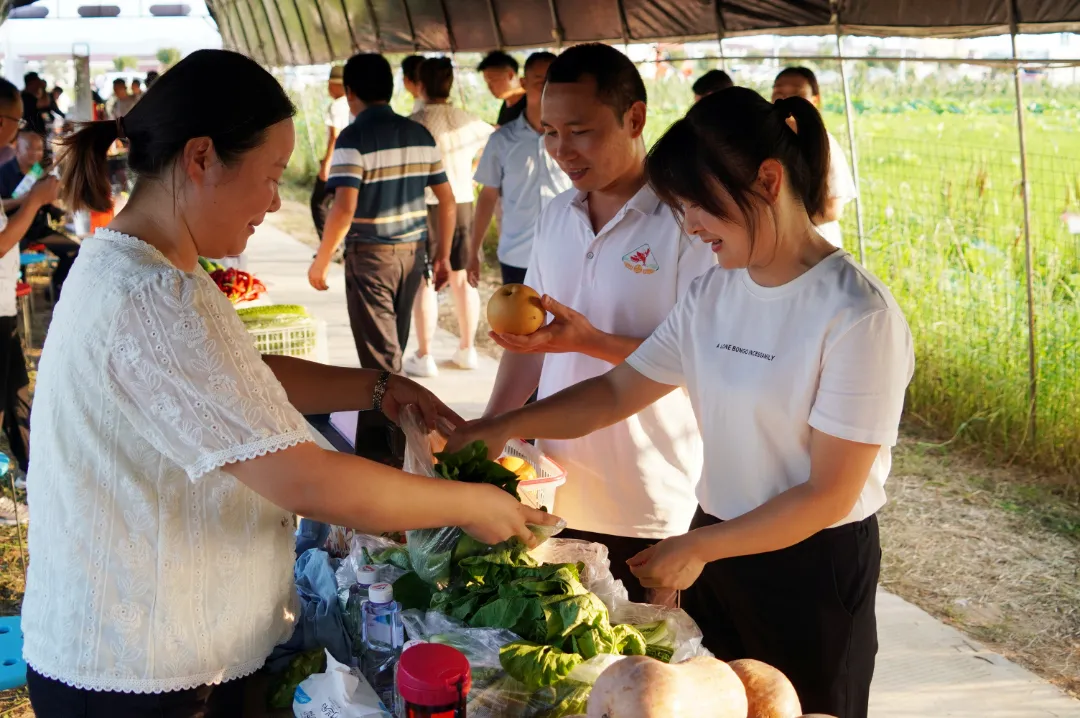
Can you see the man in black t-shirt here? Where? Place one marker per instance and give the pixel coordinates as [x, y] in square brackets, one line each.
[500, 72]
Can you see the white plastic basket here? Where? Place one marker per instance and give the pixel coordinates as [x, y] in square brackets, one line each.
[538, 492]
[304, 339]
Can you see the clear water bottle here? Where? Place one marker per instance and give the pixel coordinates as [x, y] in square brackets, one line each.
[355, 598]
[383, 639]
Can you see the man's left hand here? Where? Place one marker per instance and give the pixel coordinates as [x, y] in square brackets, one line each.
[569, 331]
[673, 564]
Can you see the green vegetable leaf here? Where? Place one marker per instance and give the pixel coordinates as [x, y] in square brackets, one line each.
[395, 556]
[628, 640]
[523, 616]
[412, 592]
[283, 685]
[535, 665]
[659, 640]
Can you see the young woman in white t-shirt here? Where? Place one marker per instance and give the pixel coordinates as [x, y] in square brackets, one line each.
[168, 456]
[796, 360]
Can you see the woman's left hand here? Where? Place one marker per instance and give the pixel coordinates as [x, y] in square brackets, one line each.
[401, 392]
[673, 563]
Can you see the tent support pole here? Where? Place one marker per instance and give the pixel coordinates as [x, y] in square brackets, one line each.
[374, 25]
[349, 27]
[623, 25]
[721, 30]
[449, 30]
[495, 24]
[412, 28]
[1025, 193]
[555, 24]
[849, 115]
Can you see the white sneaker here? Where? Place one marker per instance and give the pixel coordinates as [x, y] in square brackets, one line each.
[466, 359]
[421, 366]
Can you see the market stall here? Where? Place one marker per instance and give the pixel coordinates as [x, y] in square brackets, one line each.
[435, 623]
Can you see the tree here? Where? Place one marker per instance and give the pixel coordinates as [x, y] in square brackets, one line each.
[125, 62]
[168, 56]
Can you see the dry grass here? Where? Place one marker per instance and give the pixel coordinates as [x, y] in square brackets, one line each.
[989, 550]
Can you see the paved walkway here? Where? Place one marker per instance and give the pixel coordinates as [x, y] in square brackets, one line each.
[924, 668]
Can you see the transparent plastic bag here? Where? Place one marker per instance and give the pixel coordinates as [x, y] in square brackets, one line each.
[431, 551]
[374, 546]
[570, 695]
[681, 634]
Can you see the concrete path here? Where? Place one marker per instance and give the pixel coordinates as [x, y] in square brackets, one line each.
[924, 669]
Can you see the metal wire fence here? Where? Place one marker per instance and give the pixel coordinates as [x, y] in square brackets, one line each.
[939, 164]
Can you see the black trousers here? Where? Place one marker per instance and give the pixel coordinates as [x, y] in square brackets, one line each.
[14, 392]
[53, 699]
[380, 285]
[512, 275]
[620, 550]
[320, 205]
[808, 610]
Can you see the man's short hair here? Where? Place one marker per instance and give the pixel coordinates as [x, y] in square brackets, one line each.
[542, 56]
[8, 92]
[369, 77]
[712, 81]
[119, 81]
[410, 67]
[29, 78]
[805, 73]
[29, 136]
[498, 60]
[618, 82]
[437, 77]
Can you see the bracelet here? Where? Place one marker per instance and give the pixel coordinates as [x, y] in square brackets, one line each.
[380, 391]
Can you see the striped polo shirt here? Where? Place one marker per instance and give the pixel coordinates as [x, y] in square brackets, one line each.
[390, 159]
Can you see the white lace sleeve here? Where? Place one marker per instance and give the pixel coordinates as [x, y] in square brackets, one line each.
[187, 374]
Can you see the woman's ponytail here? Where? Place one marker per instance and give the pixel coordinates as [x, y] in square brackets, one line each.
[808, 174]
[85, 166]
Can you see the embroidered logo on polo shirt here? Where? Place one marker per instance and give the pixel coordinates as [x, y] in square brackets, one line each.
[641, 260]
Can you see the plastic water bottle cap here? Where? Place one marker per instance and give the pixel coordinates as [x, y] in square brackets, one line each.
[381, 593]
[367, 575]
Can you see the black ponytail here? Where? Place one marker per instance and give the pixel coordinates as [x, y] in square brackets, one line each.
[809, 171]
[211, 93]
[723, 140]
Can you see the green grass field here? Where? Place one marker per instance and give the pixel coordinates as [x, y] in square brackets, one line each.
[943, 227]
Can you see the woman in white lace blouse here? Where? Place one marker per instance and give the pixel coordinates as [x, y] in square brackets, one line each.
[168, 456]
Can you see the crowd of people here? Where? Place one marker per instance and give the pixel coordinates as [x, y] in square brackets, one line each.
[722, 382]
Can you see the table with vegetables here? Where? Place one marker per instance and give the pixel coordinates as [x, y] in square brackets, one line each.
[545, 633]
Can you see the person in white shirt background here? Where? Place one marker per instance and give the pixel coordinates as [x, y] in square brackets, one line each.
[169, 458]
[517, 174]
[796, 360]
[14, 382]
[802, 82]
[460, 137]
[338, 117]
[610, 261]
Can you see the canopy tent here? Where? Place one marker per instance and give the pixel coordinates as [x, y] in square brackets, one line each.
[292, 32]
[301, 32]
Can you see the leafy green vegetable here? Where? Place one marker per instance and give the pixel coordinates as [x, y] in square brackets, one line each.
[283, 685]
[471, 465]
[536, 665]
[659, 640]
[395, 556]
[567, 697]
[412, 592]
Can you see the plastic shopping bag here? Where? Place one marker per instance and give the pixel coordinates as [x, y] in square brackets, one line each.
[432, 552]
[339, 692]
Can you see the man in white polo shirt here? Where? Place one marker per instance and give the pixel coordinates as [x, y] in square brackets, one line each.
[611, 261]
